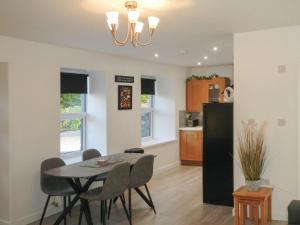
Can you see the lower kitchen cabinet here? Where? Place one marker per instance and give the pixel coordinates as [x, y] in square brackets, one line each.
[191, 147]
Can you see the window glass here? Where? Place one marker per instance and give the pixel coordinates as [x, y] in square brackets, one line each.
[147, 117]
[72, 123]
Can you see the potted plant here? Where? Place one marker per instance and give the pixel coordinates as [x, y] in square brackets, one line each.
[252, 153]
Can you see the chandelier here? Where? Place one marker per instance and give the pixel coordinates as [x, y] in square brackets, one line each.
[135, 27]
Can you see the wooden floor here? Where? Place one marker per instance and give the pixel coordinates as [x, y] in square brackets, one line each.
[177, 195]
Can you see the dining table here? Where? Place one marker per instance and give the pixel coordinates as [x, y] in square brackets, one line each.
[81, 175]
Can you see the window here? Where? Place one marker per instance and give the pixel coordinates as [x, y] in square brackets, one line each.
[73, 89]
[72, 122]
[147, 104]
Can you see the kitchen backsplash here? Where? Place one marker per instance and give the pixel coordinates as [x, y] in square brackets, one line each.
[183, 116]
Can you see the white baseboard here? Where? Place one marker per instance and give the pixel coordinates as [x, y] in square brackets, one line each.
[4, 222]
[32, 217]
[166, 168]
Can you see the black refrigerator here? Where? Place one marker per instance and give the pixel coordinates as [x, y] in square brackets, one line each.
[218, 153]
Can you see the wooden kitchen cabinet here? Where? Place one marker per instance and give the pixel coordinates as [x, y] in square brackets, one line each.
[197, 92]
[191, 147]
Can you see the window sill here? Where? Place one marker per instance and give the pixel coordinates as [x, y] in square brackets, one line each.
[156, 142]
[71, 157]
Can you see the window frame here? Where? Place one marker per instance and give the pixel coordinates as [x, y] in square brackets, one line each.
[150, 110]
[82, 116]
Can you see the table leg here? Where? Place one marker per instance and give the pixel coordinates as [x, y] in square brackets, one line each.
[264, 208]
[255, 214]
[251, 212]
[243, 214]
[270, 208]
[78, 189]
[236, 211]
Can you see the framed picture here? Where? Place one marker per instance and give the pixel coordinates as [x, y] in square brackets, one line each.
[124, 97]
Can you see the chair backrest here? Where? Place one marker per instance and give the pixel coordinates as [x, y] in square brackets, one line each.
[135, 150]
[90, 154]
[142, 171]
[116, 182]
[49, 183]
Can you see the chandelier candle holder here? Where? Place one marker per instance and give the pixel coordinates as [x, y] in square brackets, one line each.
[135, 27]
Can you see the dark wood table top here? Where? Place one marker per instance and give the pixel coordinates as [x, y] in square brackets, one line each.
[90, 168]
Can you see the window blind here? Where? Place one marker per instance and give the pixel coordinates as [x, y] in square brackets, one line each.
[147, 86]
[73, 83]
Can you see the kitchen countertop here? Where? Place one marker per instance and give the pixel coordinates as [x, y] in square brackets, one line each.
[198, 128]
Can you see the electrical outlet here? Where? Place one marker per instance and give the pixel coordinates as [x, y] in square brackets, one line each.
[281, 122]
[281, 68]
[56, 201]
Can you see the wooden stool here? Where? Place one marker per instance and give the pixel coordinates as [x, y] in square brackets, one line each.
[259, 199]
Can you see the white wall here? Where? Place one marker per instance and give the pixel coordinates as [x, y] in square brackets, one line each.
[34, 78]
[96, 120]
[222, 70]
[261, 93]
[4, 143]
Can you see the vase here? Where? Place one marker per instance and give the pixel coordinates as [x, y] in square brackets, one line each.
[252, 185]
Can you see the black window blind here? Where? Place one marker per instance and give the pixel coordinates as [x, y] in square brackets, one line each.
[73, 83]
[147, 86]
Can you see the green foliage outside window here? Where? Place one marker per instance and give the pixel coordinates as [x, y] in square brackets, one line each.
[70, 103]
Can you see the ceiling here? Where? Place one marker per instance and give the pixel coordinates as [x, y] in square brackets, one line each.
[187, 32]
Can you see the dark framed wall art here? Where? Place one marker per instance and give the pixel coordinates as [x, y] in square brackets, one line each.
[124, 97]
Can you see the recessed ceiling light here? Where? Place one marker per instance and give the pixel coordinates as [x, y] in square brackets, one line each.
[156, 55]
[215, 49]
[205, 57]
[199, 63]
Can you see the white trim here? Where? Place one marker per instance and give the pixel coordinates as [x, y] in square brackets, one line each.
[155, 143]
[33, 217]
[4, 222]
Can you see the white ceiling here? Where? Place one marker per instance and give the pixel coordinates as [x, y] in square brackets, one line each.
[194, 26]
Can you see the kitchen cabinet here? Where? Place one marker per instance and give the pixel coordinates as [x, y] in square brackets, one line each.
[191, 147]
[197, 92]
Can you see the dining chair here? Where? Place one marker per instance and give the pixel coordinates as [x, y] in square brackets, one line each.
[87, 155]
[90, 154]
[141, 173]
[135, 150]
[115, 185]
[54, 186]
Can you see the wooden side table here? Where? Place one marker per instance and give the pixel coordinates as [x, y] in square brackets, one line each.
[259, 199]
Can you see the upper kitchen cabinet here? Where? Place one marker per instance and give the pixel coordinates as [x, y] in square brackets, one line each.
[204, 91]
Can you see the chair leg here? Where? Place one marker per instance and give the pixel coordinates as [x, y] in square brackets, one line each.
[109, 208]
[69, 203]
[149, 196]
[129, 205]
[45, 208]
[104, 212]
[65, 206]
[125, 209]
[115, 200]
[80, 215]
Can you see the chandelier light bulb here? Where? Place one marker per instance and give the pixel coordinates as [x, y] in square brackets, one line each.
[112, 18]
[153, 22]
[139, 27]
[133, 16]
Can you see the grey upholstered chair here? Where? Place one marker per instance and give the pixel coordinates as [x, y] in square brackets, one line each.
[135, 150]
[141, 173]
[90, 154]
[115, 185]
[54, 186]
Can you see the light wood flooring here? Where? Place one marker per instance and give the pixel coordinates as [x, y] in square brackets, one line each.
[177, 195]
